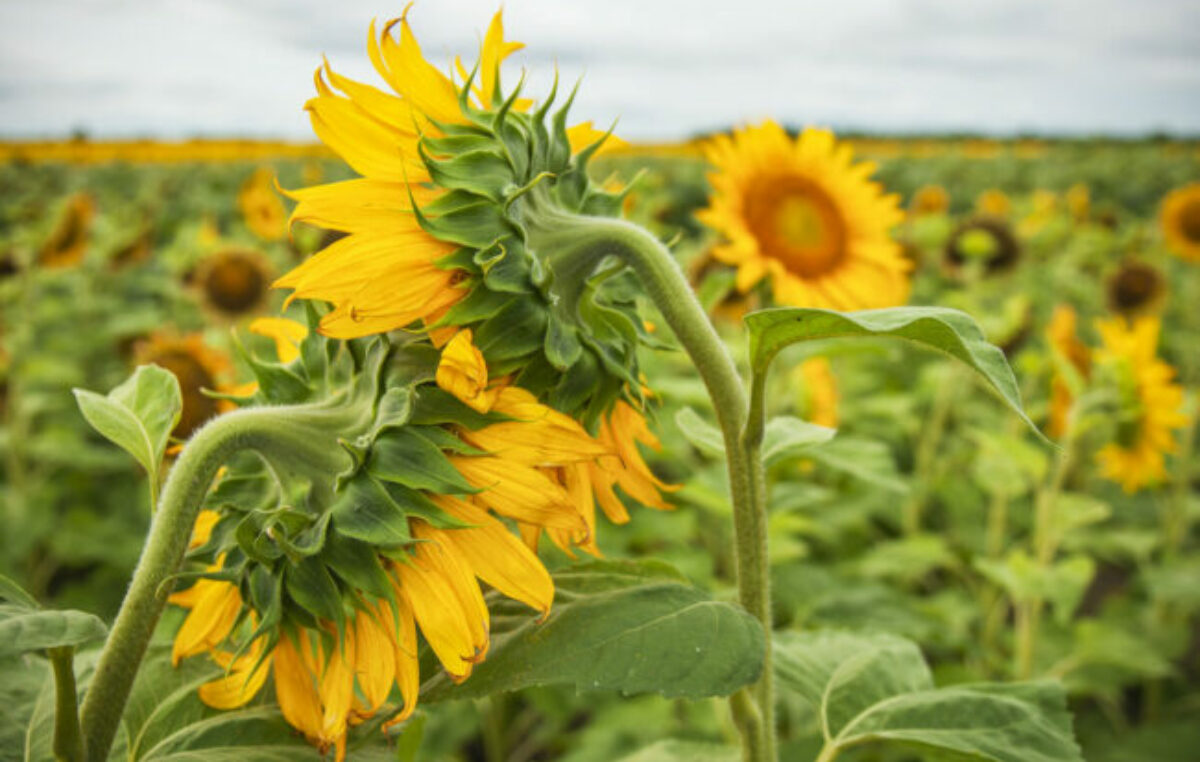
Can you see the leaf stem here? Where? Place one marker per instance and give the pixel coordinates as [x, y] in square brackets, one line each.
[584, 242]
[294, 434]
[68, 741]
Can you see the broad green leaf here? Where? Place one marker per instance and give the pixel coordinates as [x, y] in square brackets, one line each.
[705, 436]
[23, 679]
[627, 627]
[946, 330]
[258, 733]
[674, 750]
[138, 415]
[1062, 583]
[24, 629]
[787, 437]
[877, 688]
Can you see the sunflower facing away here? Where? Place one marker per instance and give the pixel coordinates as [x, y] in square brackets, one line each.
[993, 203]
[929, 199]
[1150, 402]
[261, 208]
[520, 420]
[802, 214]
[1180, 219]
[68, 242]
[1071, 356]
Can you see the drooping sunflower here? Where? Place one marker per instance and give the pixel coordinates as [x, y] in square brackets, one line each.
[1071, 356]
[1180, 219]
[1135, 288]
[986, 241]
[198, 367]
[261, 208]
[68, 242]
[929, 199]
[1150, 405]
[233, 282]
[803, 215]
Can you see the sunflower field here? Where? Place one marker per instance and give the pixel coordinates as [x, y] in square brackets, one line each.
[474, 432]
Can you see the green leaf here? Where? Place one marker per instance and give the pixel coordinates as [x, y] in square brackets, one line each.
[787, 437]
[877, 688]
[364, 511]
[23, 629]
[946, 330]
[864, 459]
[626, 627]
[405, 457]
[138, 415]
[706, 437]
[11, 591]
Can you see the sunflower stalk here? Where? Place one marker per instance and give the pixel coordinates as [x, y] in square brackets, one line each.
[578, 244]
[301, 436]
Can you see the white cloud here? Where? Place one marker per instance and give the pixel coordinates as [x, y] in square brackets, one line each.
[234, 67]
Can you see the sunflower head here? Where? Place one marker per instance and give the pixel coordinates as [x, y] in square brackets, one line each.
[198, 367]
[1149, 402]
[993, 203]
[1180, 218]
[1135, 288]
[803, 215]
[1078, 199]
[68, 242]
[459, 177]
[233, 282]
[929, 199]
[985, 243]
[261, 208]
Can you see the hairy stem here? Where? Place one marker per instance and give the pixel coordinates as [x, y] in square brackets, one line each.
[579, 244]
[287, 433]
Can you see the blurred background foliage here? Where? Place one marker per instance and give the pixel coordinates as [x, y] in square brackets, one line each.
[916, 520]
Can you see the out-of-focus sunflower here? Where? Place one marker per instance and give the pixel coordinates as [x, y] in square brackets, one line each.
[929, 199]
[1180, 218]
[1078, 199]
[261, 207]
[1150, 403]
[234, 282]
[1072, 355]
[993, 203]
[818, 391]
[987, 241]
[68, 242]
[1136, 288]
[197, 366]
[800, 213]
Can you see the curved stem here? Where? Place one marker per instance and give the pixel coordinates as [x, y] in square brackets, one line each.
[579, 243]
[275, 431]
[68, 743]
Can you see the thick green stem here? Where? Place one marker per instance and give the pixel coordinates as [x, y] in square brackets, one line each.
[68, 741]
[579, 244]
[286, 434]
[927, 446]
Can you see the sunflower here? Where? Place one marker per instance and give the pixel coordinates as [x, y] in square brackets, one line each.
[993, 203]
[68, 243]
[1180, 219]
[929, 199]
[1150, 402]
[1078, 199]
[233, 282]
[987, 241]
[261, 208]
[1135, 288]
[800, 212]
[1070, 353]
[197, 366]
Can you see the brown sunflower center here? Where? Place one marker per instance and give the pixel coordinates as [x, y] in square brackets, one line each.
[1133, 286]
[1189, 220]
[234, 283]
[796, 221]
[193, 377]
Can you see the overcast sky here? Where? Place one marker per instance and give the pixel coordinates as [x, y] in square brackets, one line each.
[175, 68]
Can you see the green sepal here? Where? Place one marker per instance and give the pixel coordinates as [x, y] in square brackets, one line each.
[357, 563]
[404, 457]
[515, 331]
[482, 172]
[465, 219]
[562, 345]
[364, 511]
[311, 587]
[415, 503]
[277, 383]
[481, 304]
[444, 440]
[506, 266]
[434, 406]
